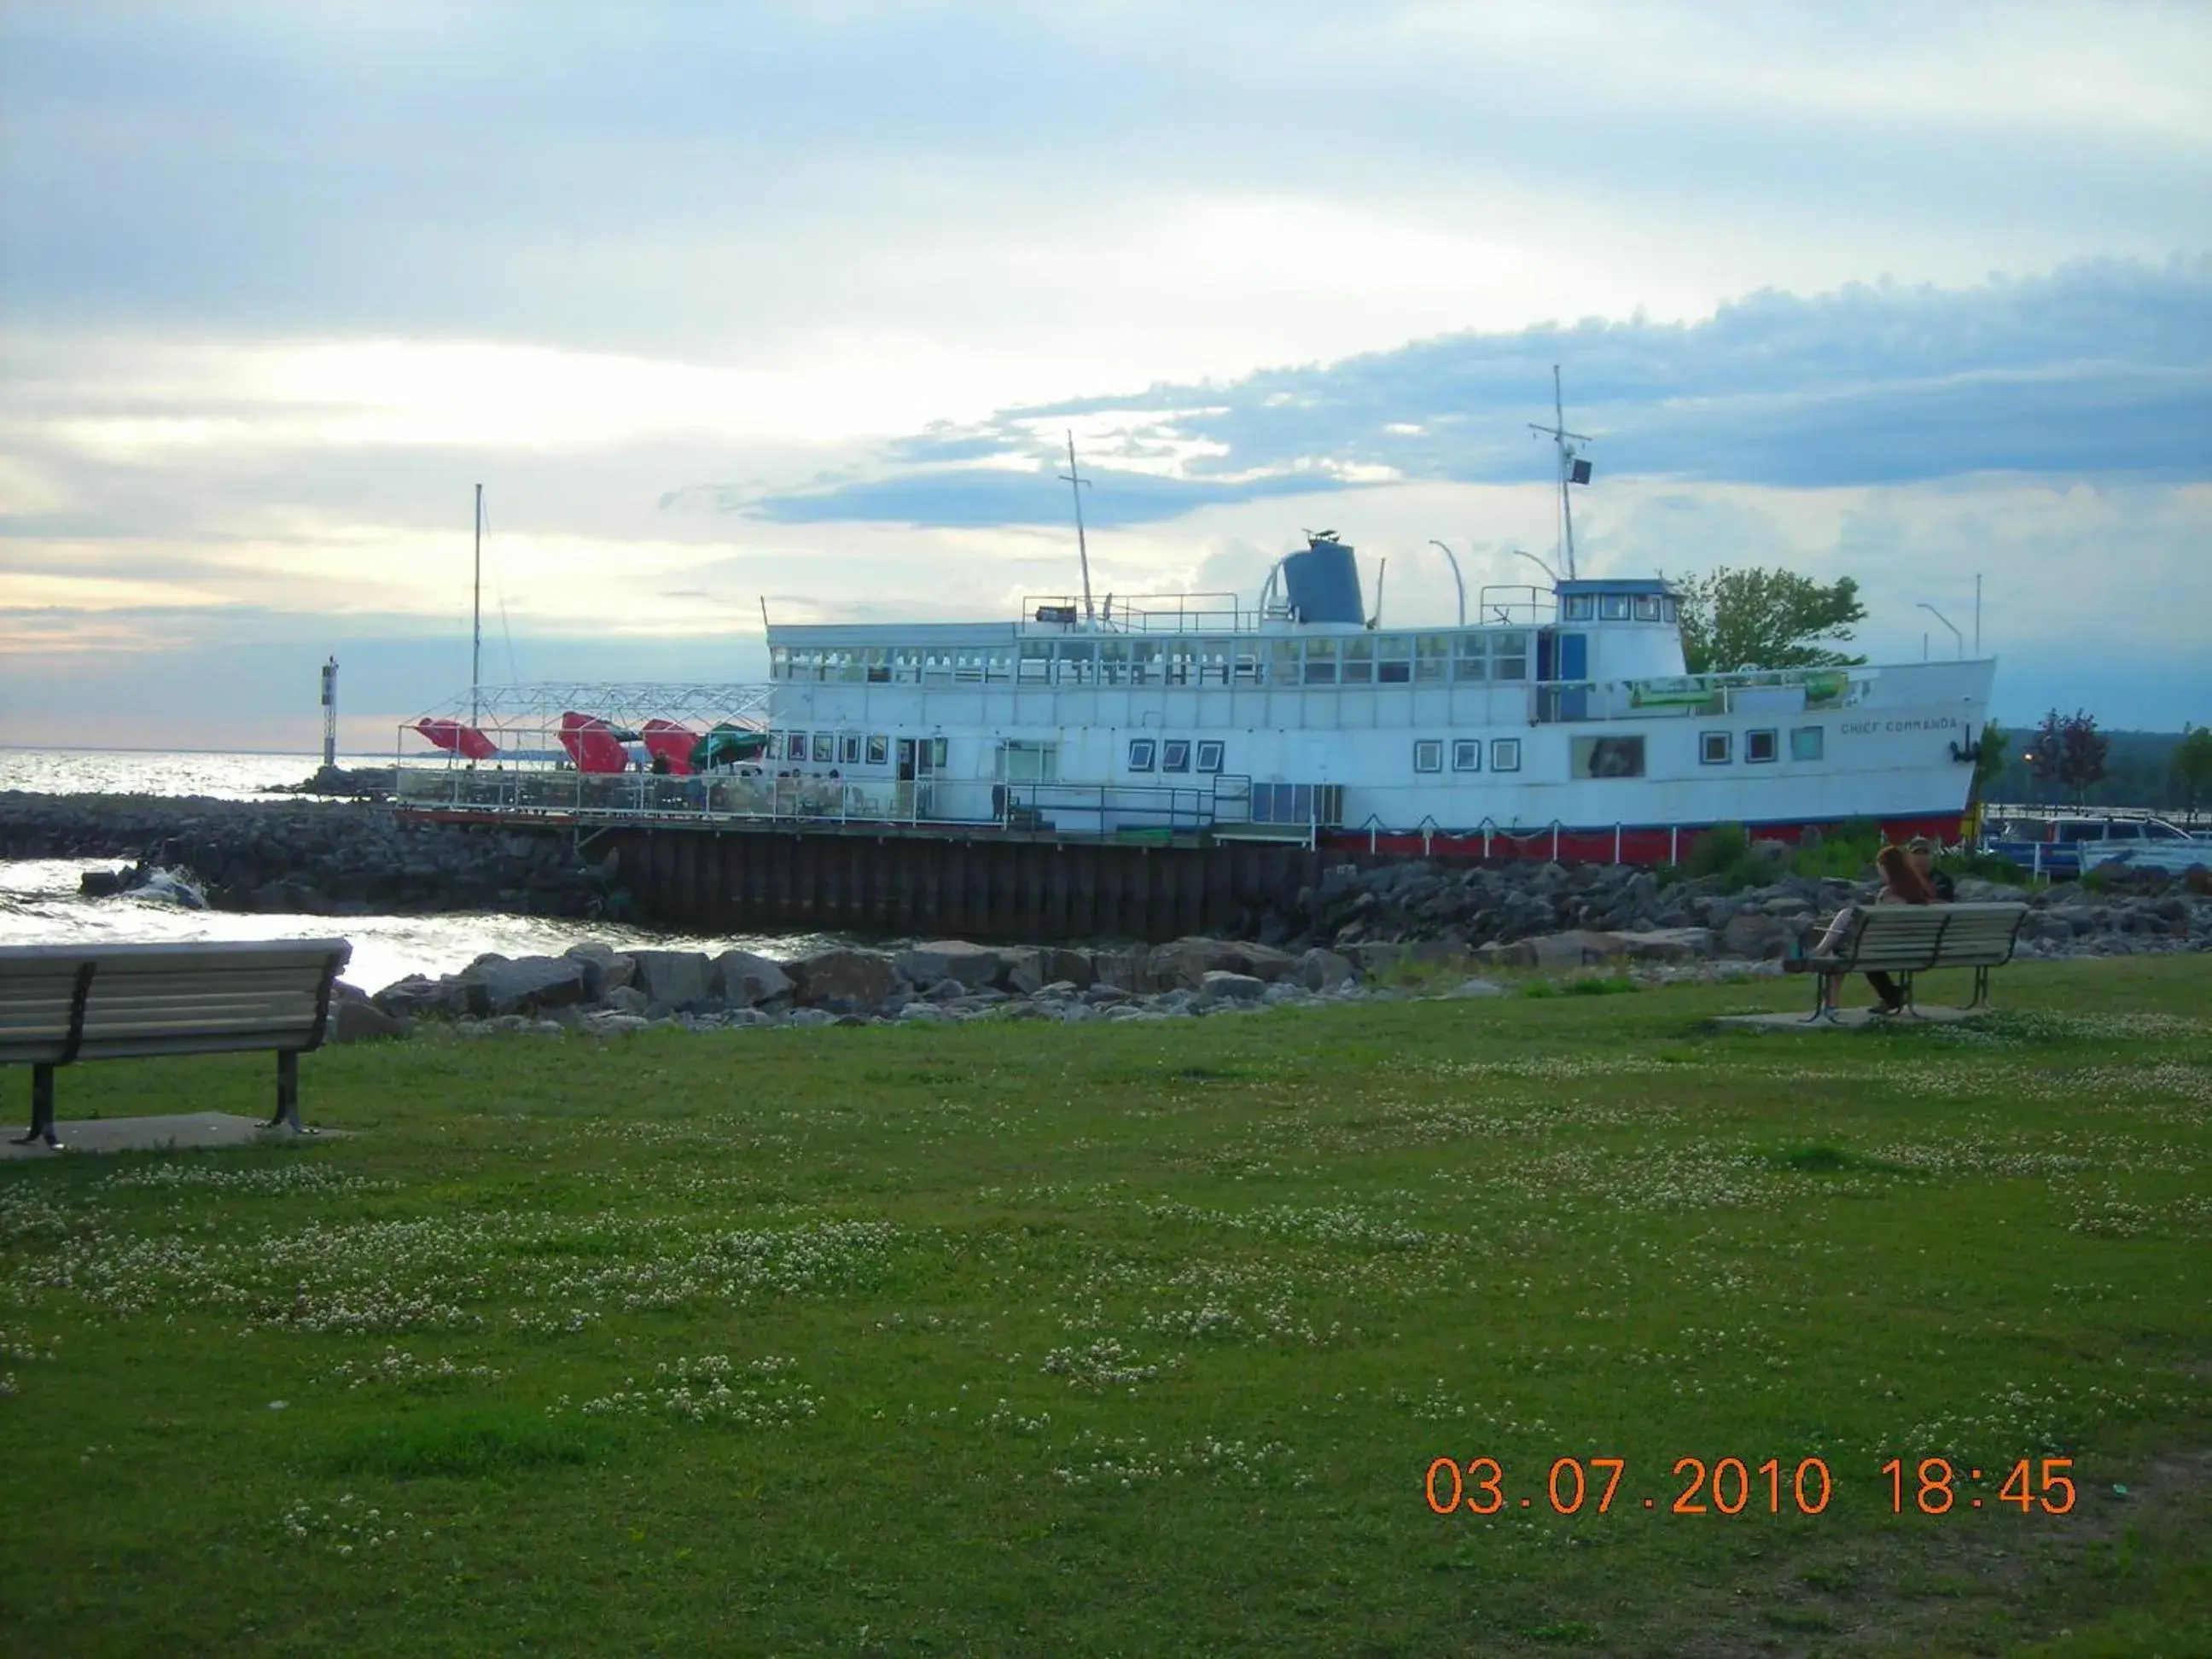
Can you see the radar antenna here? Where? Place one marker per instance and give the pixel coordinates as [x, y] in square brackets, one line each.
[1573, 470]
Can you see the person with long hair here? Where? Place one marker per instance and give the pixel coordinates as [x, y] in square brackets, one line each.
[1901, 884]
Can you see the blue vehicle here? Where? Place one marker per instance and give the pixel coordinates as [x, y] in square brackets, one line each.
[2054, 847]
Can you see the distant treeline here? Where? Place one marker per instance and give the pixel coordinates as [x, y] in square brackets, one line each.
[2138, 772]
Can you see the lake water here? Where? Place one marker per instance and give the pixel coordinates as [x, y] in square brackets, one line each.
[40, 902]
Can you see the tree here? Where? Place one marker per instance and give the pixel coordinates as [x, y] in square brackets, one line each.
[1765, 619]
[2192, 765]
[2070, 751]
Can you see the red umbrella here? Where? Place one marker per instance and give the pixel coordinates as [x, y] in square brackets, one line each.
[668, 741]
[592, 744]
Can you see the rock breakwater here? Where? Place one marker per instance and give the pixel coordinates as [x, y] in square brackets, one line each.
[314, 858]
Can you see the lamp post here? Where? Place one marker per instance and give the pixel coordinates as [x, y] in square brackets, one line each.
[1959, 638]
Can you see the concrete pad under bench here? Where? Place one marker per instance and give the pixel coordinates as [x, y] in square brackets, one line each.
[178, 1131]
[1849, 1019]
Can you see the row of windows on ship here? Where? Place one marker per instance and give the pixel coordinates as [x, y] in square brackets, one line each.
[1249, 660]
[1589, 757]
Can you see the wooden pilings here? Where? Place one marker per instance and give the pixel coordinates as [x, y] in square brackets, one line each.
[981, 888]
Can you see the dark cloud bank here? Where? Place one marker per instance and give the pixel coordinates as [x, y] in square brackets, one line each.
[2097, 369]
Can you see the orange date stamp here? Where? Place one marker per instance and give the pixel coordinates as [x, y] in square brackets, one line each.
[1734, 1486]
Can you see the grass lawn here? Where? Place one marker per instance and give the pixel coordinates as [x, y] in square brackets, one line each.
[1139, 1338]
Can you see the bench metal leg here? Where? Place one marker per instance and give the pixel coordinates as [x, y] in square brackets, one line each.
[42, 1108]
[1824, 989]
[1911, 1008]
[287, 1091]
[1981, 989]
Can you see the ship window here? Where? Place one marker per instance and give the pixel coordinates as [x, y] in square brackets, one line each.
[1714, 748]
[1021, 761]
[1613, 607]
[1607, 757]
[1078, 662]
[1473, 661]
[1141, 750]
[849, 749]
[1668, 610]
[1114, 662]
[825, 747]
[1428, 755]
[938, 748]
[880, 751]
[1145, 668]
[1175, 755]
[1180, 656]
[852, 665]
[1508, 655]
[1037, 660]
[1758, 746]
[1505, 754]
[1432, 653]
[999, 663]
[1394, 654]
[1807, 743]
[1647, 607]
[1578, 607]
[879, 666]
[1467, 754]
[1283, 663]
[1359, 661]
[1209, 758]
[793, 747]
[1248, 662]
[1321, 662]
[779, 662]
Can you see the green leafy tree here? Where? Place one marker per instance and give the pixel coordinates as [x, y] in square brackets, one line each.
[2069, 751]
[2192, 766]
[1990, 760]
[1766, 619]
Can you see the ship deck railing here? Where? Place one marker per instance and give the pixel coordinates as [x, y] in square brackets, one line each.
[1222, 803]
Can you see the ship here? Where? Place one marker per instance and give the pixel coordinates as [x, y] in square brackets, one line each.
[1559, 721]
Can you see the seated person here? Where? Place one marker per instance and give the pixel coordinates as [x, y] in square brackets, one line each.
[1900, 884]
[1922, 852]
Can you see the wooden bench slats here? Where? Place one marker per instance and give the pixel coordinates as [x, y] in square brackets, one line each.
[61, 1003]
[1909, 939]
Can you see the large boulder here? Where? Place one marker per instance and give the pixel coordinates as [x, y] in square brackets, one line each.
[1186, 962]
[358, 1022]
[1232, 988]
[1666, 944]
[675, 977]
[605, 969]
[1753, 935]
[418, 994]
[745, 980]
[498, 986]
[1265, 961]
[844, 978]
[975, 966]
[1575, 948]
[1323, 970]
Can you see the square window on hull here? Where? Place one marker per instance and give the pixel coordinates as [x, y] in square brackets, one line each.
[1505, 754]
[1716, 748]
[1141, 750]
[1808, 743]
[1429, 755]
[1759, 747]
[1467, 754]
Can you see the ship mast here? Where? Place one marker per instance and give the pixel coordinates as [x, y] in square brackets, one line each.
[475, 622]
[1572, 469]
[1075, 482]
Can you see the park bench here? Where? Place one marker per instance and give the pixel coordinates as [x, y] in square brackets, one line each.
[60, 1003]
[1904, 939]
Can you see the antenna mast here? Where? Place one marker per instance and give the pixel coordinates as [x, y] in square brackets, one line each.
[1075, 482]
[1572, 469]
[475, 622]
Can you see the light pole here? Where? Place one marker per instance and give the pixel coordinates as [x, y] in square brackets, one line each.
[1960, 639]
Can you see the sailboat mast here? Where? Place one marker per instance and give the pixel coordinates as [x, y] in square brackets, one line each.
[1075, 482]
[475, 622]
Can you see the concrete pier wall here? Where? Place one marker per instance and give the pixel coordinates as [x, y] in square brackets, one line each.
[983, 888]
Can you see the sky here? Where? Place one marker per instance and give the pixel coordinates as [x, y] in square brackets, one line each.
[750, 309]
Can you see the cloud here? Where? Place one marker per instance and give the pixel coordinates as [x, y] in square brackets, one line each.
[2097, 369]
